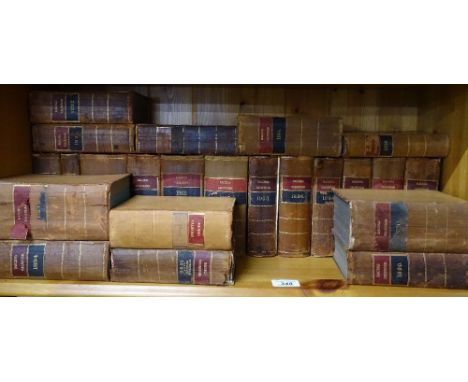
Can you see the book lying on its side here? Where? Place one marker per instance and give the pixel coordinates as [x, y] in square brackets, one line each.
[395, 145]
[55, 260]
[171, 266]
[430, 270]
[87, 107]
[188, 140]
[401, 221]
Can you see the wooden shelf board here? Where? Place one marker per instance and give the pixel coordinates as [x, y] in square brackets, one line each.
[253, 278]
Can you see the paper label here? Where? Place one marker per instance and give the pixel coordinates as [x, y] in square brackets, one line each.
[196, 228]
[296, 189]
[184, 266]
[36, 260]
[42, 208]
[285, 283]
[202, 268]
[413, 184]
[262, 191]
[387, 184]
[27, 260]
[385, 145]
[265, 134]
[145, 185]
[181, 185]
[350, 182]
[325, 188]
[399, 265]
[65, 107]
[279, 134]
[381, 267]
[228, 187]
[19, 260]
[382, 226]
[22, 210]
[371, 143]
[391, 226]
[69, 138]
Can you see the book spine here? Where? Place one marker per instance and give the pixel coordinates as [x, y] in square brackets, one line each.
[294, 206]
[395, 145]
[102, 164]
[70, 164]
[327, 177]
[54, 260]
[145, 170]
[46, 164]
[182, 176]
[422, 173]
[263, 206]
[261, 135]
[427, 270]
[96, 138]
[357, 173]
[172, 266]
[82, 107]
[388, 173]
[227, 177]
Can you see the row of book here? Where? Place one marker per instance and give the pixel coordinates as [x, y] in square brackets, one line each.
[398, 238]
[86, 228]
[298, 223]
[119, 122]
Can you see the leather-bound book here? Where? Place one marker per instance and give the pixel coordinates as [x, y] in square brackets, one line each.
[55, 260]
[404, 269]
[87, 107]
[395, 145]
[104, 139]
[70, 164]
[227, 176]
[59, 207]
[294, 135]
[422, 173]
[357, 173]
[172, 223]
[388, 173]
[263, 206]
[182, 175]
[46, 164]
[327, 177]
[401, 221]
[145, 170]
[294, 206]
[103, 164]
[184, 139]
[172, 266]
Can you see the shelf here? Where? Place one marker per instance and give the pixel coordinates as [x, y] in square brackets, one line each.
[253, 278]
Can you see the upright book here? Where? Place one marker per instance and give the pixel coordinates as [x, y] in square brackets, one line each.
[357, 173]
[55, 260]
[162, 222]
[46, 164]
[401, 221]
[263, 206]
[292, 135]
[145, 170]
[172, 266]
[182, 175]
[327, 177]
[422, 173]
[88, 107]
[295, 206]
[90, 138]
[395, 145]
[227, 176]
[59, 207]
[183, 139]
[388, 173]
[70, 164]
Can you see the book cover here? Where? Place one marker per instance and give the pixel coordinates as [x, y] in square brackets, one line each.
[89, 138]
[388, 173]
[162, 222]
[103, 164]
[422, 173]
[145, 170]
[227, 176]
[88, 107]
[55, 260]
[294, 211]
[292, 135]
[182, 175]
[59, 207]
[172, 266]
[327, 176]
[185, 139]
[395, 145]
[263, 206]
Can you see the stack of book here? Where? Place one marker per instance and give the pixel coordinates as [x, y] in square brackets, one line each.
[185, 240]
[401, 238]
